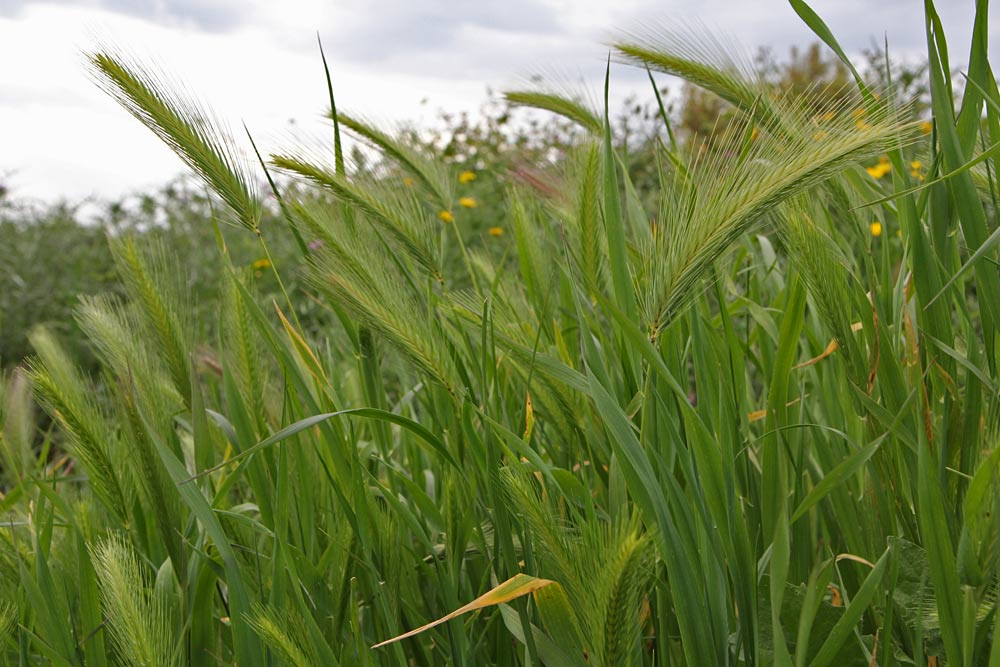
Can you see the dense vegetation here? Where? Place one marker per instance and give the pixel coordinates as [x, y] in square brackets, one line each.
[680, 399]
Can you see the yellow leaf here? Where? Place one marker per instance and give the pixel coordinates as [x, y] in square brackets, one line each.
[302, 347]
[517, 586]
[856, 559]
[757, 415]
[832, 347]
[529, 417]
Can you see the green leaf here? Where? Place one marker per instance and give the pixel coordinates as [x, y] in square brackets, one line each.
[841, 632]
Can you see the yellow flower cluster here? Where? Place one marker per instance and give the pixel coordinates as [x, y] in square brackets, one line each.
[875, 228]
[881, 169]
[916, 170]
[467, 202]
[263, 263]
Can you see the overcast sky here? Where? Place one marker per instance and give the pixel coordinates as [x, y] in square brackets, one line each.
[256, 61]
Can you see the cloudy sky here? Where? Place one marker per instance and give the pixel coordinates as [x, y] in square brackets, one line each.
[256, 61]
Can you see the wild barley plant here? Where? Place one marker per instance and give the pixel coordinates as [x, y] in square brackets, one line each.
[749, 427]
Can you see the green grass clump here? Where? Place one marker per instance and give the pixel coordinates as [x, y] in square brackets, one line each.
[755, 424]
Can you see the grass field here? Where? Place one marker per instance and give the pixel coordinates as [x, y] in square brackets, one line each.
[755, 423]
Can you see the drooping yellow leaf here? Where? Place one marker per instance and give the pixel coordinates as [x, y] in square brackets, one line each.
[856, 559]
[529, 417]
[302, 347]
[830, 349]
[757, 415]
[517, 586]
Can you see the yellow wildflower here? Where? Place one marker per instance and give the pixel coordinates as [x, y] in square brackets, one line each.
[468, 202]
[879, 170]
[261, 264]
[926, 127]
[496, 231]
[916, 170]
[446, 216]
[875, 228]
[820, 136]
[754, 133]
[466, 176]
[407, 181]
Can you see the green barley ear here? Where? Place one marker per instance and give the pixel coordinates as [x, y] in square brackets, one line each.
[17, 426]
[604, 568]
[430, 173]
[750, 170]
[242, 351]
[151, 278]
[67, 398]
[182, 124]
[533, 252]
[399, 319]
[701, 58]
[8, 623]
[395, 215]
[136, 375]
[631, 569]
[359, 272]
[138, 620]
[591, 245]
[285, 635]
[562, 105]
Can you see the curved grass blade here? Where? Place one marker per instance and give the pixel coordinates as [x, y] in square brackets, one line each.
[436, 445]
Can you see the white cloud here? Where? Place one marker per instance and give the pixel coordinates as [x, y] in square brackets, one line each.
[257, 62]
[211, 15]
